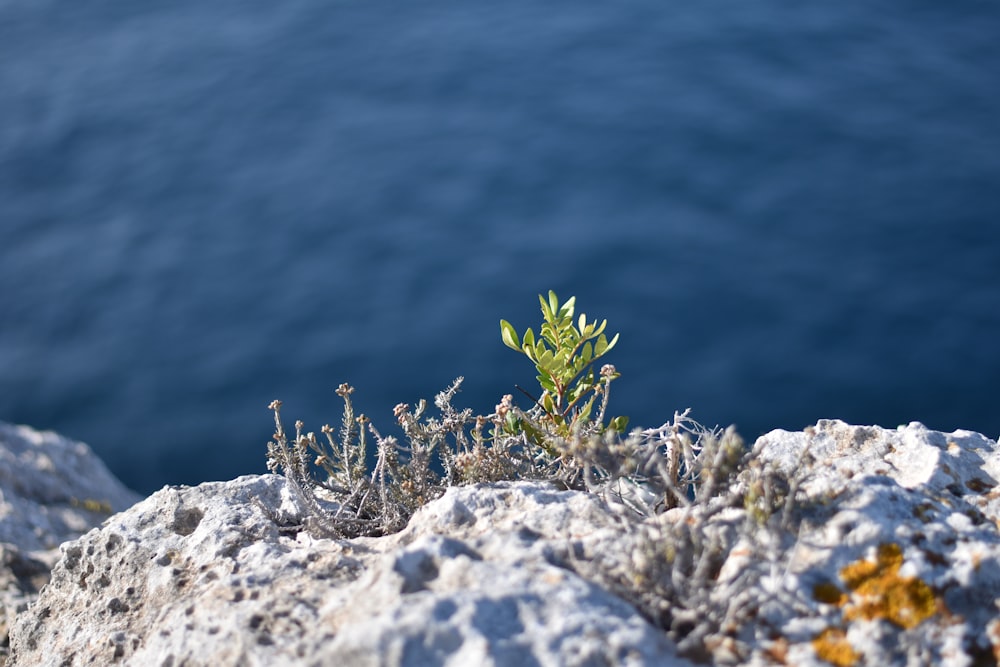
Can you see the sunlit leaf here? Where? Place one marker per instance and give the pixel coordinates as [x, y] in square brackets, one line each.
[567, 308]
[562, 356]
[509, 335]
[529, 352]
[601, 346]
[611, 344]
[529, 338]
[553, 305]
[549, 333]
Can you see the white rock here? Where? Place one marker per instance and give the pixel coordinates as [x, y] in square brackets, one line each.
[931, 495]
[51, 490]
[891, 556]
[209, 576]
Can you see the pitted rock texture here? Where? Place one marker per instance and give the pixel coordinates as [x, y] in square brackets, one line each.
[219, 575]
[889, 555]
[52, 489]
[897, 555]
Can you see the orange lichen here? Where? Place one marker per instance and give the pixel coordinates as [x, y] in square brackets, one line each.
[879, 591]
[832, 645]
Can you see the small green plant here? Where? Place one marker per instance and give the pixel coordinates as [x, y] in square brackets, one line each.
[564, 356]
[688, 496]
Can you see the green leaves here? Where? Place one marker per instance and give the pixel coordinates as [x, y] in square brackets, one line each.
[563, 355]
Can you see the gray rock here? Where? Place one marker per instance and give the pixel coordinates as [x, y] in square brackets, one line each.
[889, 555]
[220, 574]
[897, 556]
[51, 490]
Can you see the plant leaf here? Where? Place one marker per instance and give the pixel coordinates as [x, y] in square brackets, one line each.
[509, 335]
[548, 333]
[529, 338]
[601, 346]
[611, 344]
[619, 424]
[567, 308]
[553, 305]
[584, 412]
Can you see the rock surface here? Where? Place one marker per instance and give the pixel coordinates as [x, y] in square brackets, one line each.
[897, 559]
[891, 556]
[51, 490]
[218, 575]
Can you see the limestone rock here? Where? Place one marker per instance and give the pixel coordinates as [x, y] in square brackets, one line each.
[888, 554]
[897, 556]
[219, 574]
[51, 490]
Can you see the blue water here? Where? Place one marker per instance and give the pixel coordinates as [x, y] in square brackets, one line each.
[790, 212]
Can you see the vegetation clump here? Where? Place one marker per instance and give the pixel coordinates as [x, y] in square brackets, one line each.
[676, 483]
[564, 356]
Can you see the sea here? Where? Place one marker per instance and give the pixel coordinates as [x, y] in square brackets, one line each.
[788, 211]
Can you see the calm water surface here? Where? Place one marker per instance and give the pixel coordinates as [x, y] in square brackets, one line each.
[789, 213]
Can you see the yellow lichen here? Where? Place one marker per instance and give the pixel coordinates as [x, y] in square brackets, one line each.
[92, 505]
[879, 591]
[832, 645]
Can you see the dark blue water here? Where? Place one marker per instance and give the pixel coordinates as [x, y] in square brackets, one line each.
[789, 212]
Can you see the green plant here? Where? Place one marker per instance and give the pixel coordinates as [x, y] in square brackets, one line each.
[690, 499]
[563, 355]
